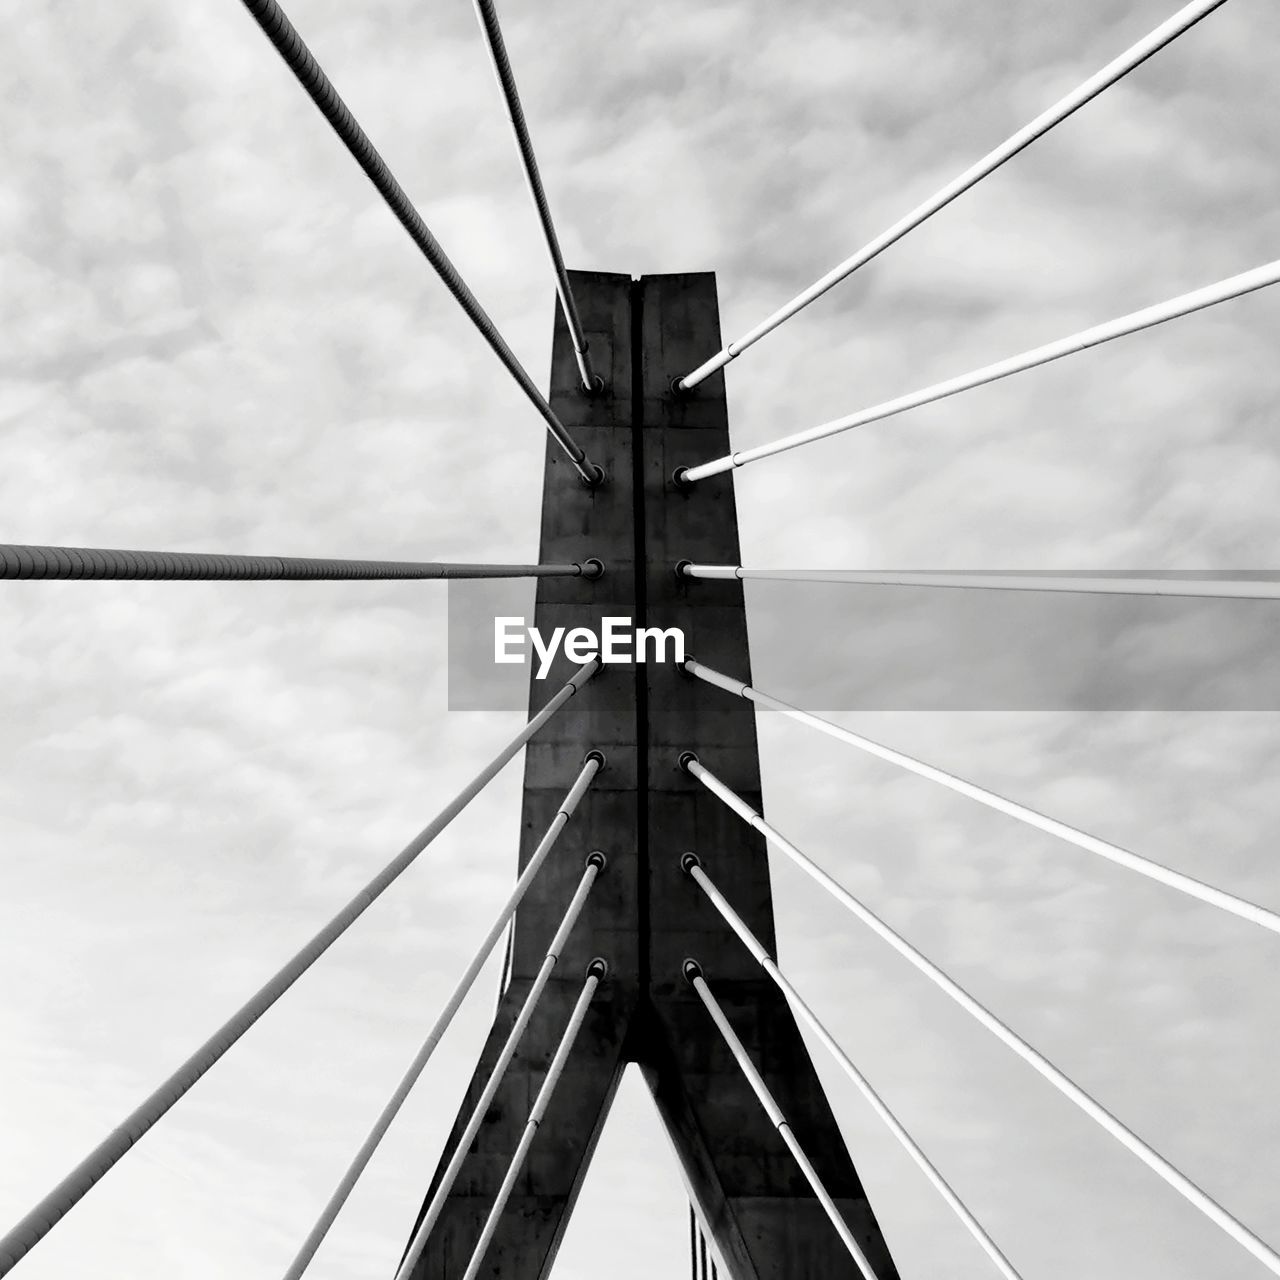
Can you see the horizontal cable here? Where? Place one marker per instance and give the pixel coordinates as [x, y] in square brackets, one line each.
[1082, 840]
[595, 971]
[492, 29]
[693, 866]
[462, 1147]
[300, 60]
[1113, 71]
[28, 1233]
[693, 972]
[423, 1056]
[18, 561]
[1010, 580]
[1067, 1087]
[1185, 304]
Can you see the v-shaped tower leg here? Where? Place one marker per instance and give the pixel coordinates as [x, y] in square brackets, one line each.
[763, 1214]
[644, 916]
[577, 523]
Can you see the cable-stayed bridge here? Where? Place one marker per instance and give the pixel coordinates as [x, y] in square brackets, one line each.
[641, 894]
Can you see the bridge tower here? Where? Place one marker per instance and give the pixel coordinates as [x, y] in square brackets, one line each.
[645, 917]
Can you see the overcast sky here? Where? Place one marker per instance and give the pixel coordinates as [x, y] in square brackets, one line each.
[215, 337]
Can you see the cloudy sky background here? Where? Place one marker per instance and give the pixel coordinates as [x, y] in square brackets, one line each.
[216, 338]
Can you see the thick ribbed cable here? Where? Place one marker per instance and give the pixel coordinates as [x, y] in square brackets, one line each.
[595, 862]
[1193, 888]
[300, 60]
[23, 1237]
[492, 29]
[693, 867]
[595, 971]
[1154, 1161]
[358, 1165]
[1223, 291]
[1113, 71]
[693, 973]
[102, 563]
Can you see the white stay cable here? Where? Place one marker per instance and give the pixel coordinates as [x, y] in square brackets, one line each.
[1113, 71]
[1193, 888]
[596, 970]
[1067, 1087]
[693, 867]
[693, 972]
[362, 1157]
[595, 862]
[1234, 287]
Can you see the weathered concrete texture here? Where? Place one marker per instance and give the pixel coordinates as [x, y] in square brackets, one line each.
[576, 523]
[761, 1210]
